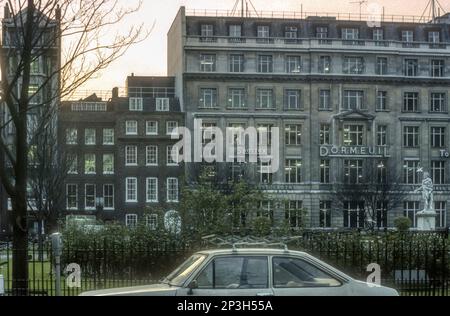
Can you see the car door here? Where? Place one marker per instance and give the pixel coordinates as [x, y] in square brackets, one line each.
[234, 276]
[294, 276]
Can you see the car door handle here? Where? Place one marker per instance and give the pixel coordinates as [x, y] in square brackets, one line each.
[264, 294]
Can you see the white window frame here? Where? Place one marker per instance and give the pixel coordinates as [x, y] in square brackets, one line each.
[350, 33]
[128, 182]
[90, 140]
[129, 218]
[169, 151]
[148, 154]
[151, 221]
[85, 164]
[90, 208]
[131, 130]
[108, 172]
[169, 129]
[67, 197]
[208, 98]
[131, 158]
[109, 197]
[169, 193]
[136, 104]
[71, 135]
[147, 128]
[151, 190]
[162, 104]
[108, 136]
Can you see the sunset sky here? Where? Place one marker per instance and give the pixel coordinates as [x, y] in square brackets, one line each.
[149, 57]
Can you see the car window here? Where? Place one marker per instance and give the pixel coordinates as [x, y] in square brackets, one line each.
[235, 273]
[179, 276]
[296, 273]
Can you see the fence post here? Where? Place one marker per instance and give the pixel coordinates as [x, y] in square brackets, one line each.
[2, 285]
[57, 250]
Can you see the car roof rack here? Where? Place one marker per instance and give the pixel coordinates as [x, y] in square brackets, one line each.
[238, 245]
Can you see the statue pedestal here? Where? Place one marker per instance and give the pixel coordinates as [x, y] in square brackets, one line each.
[426, 220]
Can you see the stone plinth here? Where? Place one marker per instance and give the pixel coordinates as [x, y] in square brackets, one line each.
[426, 220]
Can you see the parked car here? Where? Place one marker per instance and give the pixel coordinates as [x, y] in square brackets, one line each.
[253, 272]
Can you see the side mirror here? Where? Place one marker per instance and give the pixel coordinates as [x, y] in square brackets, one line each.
[192, 286]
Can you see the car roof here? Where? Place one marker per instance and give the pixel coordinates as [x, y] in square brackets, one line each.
[250, 251]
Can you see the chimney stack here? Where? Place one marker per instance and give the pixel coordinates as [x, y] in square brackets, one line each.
[115, 93]
[7, 13]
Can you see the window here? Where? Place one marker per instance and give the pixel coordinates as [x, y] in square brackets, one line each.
[172, 190]
[290, 32]
[382, 135]
[151, 221]
[438, 172]
[72, 196]
[265, 210]
[293, 99]
[136, 104]
[71, 136]
[35, 66]
[131, 156]
[353, 171]
[411, 136]
[108, 136]
[354, 215]
[208, 135]
[264, 98]
[265, 63]
[207, 30]
[234, 273]
[235, 30]
[172, 156]
[73, 164]
[438, 137]
[151, 128]
[296, 273]
[236, 98]
[378, 34]
[265, 172]
[434, 36]
[89, 197]
[324, 100]
[353, 135]
[171, 127]
[131, 220]
[293, 135]
[382, 101]
[35, 94]
[208, 62]
[438, 103]
[411, 67]
[151, 155]
[411, 102]
[89, 137]
[293, 171]
[208, 98]
[293, 213]
[108, 196]
[263, 33]
[325, 214]
[265, 130]
[325, 64]
[441, 210]
[131, 190]
[293, 64]
[411, 210]
[407, 36]
[108, 164]
[350, 34]
[89, 163]
[162, 104]
[381, 66]
[353, 100]
[236, 63]
[437, 68]
[353, 65]
[324, 171]
[131, 127]
[410, 172]
[322, 32]
[152, 190]
[324, 134]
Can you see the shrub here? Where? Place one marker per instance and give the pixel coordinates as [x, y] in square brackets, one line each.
[262, 226]
[403, 224]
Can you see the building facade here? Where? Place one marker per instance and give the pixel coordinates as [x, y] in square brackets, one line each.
[343, 94]
[119, 151]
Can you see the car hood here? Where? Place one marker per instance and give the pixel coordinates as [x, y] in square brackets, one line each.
[365, 289]
[147, 290]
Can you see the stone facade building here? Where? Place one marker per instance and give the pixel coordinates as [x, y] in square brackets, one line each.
[342, 93]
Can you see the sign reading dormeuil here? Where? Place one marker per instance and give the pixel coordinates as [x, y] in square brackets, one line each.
[354, 151]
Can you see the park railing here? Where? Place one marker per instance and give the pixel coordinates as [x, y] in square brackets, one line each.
[417, 264]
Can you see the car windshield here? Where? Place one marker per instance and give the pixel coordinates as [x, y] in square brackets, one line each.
[180, 275]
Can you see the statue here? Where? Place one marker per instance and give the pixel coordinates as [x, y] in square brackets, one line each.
[427, 189]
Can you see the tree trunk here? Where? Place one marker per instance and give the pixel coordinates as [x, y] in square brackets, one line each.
[20, 249]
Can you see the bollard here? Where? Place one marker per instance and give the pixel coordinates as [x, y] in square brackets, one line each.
[2, 285]
[57, 251]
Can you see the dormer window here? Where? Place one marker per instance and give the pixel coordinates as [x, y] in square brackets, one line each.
[322, 32]
[291, 32]
[207, 30]
[378, 35]
[350, 33]
[235, 30]
[408, 36]
[434, 36]
[263, 31]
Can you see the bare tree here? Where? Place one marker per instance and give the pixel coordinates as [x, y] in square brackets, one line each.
[50, 49]
[370, 195]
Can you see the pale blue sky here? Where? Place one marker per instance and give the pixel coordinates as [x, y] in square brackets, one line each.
[149, 57]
